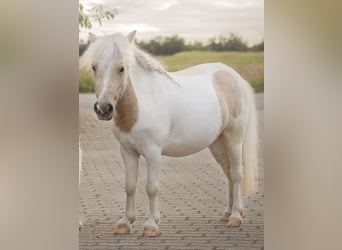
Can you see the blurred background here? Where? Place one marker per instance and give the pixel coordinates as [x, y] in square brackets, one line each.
[183, 33]
[39, 94]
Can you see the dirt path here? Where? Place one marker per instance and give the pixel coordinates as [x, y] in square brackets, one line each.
[193, 194]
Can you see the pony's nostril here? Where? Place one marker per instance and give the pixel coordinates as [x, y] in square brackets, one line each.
[110, 108]
[103, 110]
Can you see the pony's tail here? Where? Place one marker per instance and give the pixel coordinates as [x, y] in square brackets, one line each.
[250, 148]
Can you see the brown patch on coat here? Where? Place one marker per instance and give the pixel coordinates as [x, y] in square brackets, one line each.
[228, 94]
[126, 109]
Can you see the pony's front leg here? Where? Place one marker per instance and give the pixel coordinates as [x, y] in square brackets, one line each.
[131, 162]
[153, 159]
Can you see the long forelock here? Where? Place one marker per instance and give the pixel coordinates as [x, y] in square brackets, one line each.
[125, 49]
[106, 46]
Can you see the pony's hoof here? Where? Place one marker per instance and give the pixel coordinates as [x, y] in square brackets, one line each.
[151, 231]
[158, 219]
[225, 217]
[234, 222]
[132, 220]
[80, 226]
[122, 229]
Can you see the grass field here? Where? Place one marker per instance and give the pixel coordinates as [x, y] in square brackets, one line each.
[249, 64]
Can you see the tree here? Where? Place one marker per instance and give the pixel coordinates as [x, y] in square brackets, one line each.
[235, 43]
[163, 45]
[258, 47]
[172, 45]
[95, 14]
[196, 45]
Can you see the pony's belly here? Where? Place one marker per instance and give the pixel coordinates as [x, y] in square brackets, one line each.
[190, 143]
[193, 129]
[180, 150]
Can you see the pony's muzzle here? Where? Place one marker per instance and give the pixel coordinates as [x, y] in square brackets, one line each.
[104, 111]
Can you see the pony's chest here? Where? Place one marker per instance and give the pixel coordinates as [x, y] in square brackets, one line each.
[125, 139]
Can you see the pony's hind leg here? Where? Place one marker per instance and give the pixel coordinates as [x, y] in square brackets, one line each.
[233, 139]
[219, 151]
[131, 162]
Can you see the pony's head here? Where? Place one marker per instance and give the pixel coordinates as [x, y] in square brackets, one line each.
[109, 58]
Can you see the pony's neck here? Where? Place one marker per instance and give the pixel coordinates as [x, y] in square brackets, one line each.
[149, 65]
[146, 62]
[126, 109]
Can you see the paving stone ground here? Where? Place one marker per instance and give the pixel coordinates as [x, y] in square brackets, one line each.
[193, 194]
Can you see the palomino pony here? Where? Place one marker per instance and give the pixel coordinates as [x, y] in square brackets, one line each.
[158, 113]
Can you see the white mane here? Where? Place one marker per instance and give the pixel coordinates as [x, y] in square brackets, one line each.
[147, 62]
[105, 47]
[111, 45]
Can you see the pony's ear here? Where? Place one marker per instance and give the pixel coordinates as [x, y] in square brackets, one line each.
[92, 37]
[131, 35]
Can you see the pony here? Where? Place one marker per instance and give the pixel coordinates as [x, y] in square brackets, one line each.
[155, 113]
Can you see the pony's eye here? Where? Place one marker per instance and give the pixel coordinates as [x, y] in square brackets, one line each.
[93, 67]
[122, 69]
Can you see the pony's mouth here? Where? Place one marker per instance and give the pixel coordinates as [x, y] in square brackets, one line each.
[104, 118]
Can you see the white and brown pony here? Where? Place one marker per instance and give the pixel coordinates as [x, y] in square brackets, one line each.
[157, 113]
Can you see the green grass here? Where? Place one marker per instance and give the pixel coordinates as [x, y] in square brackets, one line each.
[86, 84]
[249, 64]
[186, 59]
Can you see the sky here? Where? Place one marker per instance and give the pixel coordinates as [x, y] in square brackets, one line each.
[191, 19]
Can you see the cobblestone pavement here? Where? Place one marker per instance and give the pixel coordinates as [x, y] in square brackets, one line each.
[193, 194]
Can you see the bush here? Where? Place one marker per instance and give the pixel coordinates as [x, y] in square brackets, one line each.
[163, 46]
[258, 47]
[82, 47]
[174, 44]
